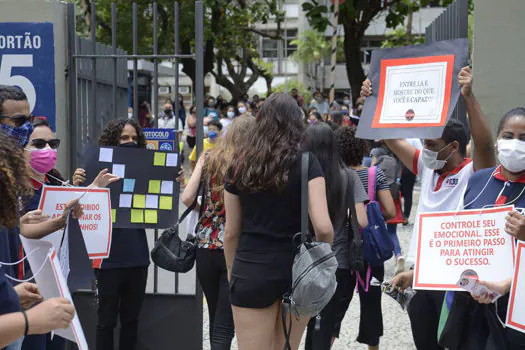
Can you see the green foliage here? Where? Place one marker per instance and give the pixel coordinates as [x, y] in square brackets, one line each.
[312, 47]
[398, 37]
[294, 84]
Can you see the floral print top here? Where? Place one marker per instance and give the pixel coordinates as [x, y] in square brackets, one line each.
[210, 228]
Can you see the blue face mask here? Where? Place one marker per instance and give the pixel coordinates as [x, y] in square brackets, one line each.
[344, 111]
[21, 133]
[212, 135]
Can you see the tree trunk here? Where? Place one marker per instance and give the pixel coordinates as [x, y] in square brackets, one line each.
[354, 67]
[410, 18]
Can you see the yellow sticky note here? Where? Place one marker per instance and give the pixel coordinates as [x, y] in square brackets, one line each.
[154, 186]
[165, 203]
[137, 216]
[113, 215]
[150, 216]
[139, 201]
[159, 159]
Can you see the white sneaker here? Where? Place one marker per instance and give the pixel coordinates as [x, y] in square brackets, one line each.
[400, 265]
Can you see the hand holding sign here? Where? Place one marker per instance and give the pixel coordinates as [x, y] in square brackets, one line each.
[465, 81]
[502, 288]
[515, 225]
[55, 313]
[28, 294]
[34, 217]
[103, 179]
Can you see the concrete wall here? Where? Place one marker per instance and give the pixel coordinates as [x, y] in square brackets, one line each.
[55, 12]
[498, 52]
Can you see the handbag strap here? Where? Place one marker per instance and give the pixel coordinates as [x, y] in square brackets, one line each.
[304, 197]
[372, 172]
[194, 203]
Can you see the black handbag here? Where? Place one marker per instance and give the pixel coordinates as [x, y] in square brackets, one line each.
[170, 252]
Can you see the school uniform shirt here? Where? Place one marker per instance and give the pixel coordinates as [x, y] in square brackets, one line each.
[439, 192]
[9, 250]
[9, 300]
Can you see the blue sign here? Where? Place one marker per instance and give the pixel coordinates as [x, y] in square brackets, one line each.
[27, 60]
[160, 139]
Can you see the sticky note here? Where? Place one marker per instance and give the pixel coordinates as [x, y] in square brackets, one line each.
[171, 159]
[125, 200]
[106, 155]
[159, 159]
[139, 201]
[154, 186]
[166, 187]
[150, 217]
[166, 203]
[113, 215]
[152, 201]
[119, 170]
[137, 216]
[129, 185]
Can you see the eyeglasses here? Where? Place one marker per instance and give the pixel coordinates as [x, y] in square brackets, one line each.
[41, 143]
[19, 120]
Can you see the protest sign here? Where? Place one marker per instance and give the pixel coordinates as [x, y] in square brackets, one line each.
[160, 139]
[448, 243]
[147, 193]
[415, 90]
[95, 224]
[51, 283]
[515, 314]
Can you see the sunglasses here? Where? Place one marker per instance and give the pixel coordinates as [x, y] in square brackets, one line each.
[41, 143]
[19, 120]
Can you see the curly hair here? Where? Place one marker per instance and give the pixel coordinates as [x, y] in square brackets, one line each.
[220, 157]
[352, 149]
[112, 132]
[265, 156]
[15, 181]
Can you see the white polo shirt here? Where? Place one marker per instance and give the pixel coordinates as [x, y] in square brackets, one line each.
[439, 192]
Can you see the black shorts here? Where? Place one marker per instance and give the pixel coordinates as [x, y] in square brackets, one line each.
[260, 278]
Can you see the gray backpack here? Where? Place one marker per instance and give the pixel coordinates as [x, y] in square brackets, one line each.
[313, 270]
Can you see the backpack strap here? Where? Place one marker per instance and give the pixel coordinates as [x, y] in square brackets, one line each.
[304, 197]
[372, 173]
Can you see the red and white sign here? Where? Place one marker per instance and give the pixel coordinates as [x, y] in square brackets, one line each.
[515, 314]
[95, 224]
[414, 92]
[448, 243]
[52, 284]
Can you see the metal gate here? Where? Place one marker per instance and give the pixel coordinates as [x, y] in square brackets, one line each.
[98, 85]
[451, 24]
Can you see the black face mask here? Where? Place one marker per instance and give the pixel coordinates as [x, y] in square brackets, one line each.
[129, 144]
[167, 111]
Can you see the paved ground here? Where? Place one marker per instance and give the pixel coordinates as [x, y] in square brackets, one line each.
[397, 333]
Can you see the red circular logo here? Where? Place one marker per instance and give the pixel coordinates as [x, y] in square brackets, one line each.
[409, 115]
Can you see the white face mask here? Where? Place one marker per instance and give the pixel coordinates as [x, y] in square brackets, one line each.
[346, 102]
[430, 160]
[242, 110]
[511, 155]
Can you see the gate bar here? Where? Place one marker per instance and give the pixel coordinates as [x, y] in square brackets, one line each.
[135, 68]
[92, 115]
[155, 112]
[177, 105]
[135, 56]
[114, 45]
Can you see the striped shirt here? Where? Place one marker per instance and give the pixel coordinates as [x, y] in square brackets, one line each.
[381, 180]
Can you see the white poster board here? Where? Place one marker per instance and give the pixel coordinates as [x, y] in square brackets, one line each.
[51, 283]
[95, 224]
[449, 243]
[515, 313]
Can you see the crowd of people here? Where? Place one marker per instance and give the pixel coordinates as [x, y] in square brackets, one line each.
[250, 210]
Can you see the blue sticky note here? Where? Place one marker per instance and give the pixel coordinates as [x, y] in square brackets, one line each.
[129, 185]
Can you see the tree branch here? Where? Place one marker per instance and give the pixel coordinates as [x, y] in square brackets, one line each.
[266, 35]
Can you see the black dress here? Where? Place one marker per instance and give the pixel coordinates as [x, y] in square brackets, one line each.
[262, 269]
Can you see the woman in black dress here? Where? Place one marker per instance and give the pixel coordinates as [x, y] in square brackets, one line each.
[263, 201]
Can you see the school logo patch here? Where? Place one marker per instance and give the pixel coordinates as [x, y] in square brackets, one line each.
[409, 115]
[451, 182]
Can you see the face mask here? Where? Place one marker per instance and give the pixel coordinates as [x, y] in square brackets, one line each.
[211, 104]
[242, 110]
[430, 160]
[346, 102]
[231, 115]
[312, 121]
[319, 99]
[130, 115]
[344, 111]
[21, 133]
[205, 128]
[43, 160]
[129, 144]
[212, 135]
[511, 155]
[167, 111]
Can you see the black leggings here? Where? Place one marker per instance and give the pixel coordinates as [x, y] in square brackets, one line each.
[213, 277]
[120, 292]
[371, 318]
[408, 179]
[424, 311]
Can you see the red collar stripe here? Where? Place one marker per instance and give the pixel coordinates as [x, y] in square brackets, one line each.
[499, 176]
[443, 176]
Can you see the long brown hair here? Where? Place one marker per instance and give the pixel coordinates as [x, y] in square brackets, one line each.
[221, 156]
[265, 156]
[15, 184]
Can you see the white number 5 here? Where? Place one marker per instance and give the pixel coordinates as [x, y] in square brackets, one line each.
[10, 61]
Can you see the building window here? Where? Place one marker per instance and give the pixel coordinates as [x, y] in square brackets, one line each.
[291, 34]
[270, 48]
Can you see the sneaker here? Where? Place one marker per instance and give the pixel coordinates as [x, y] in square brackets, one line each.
[400, 265]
